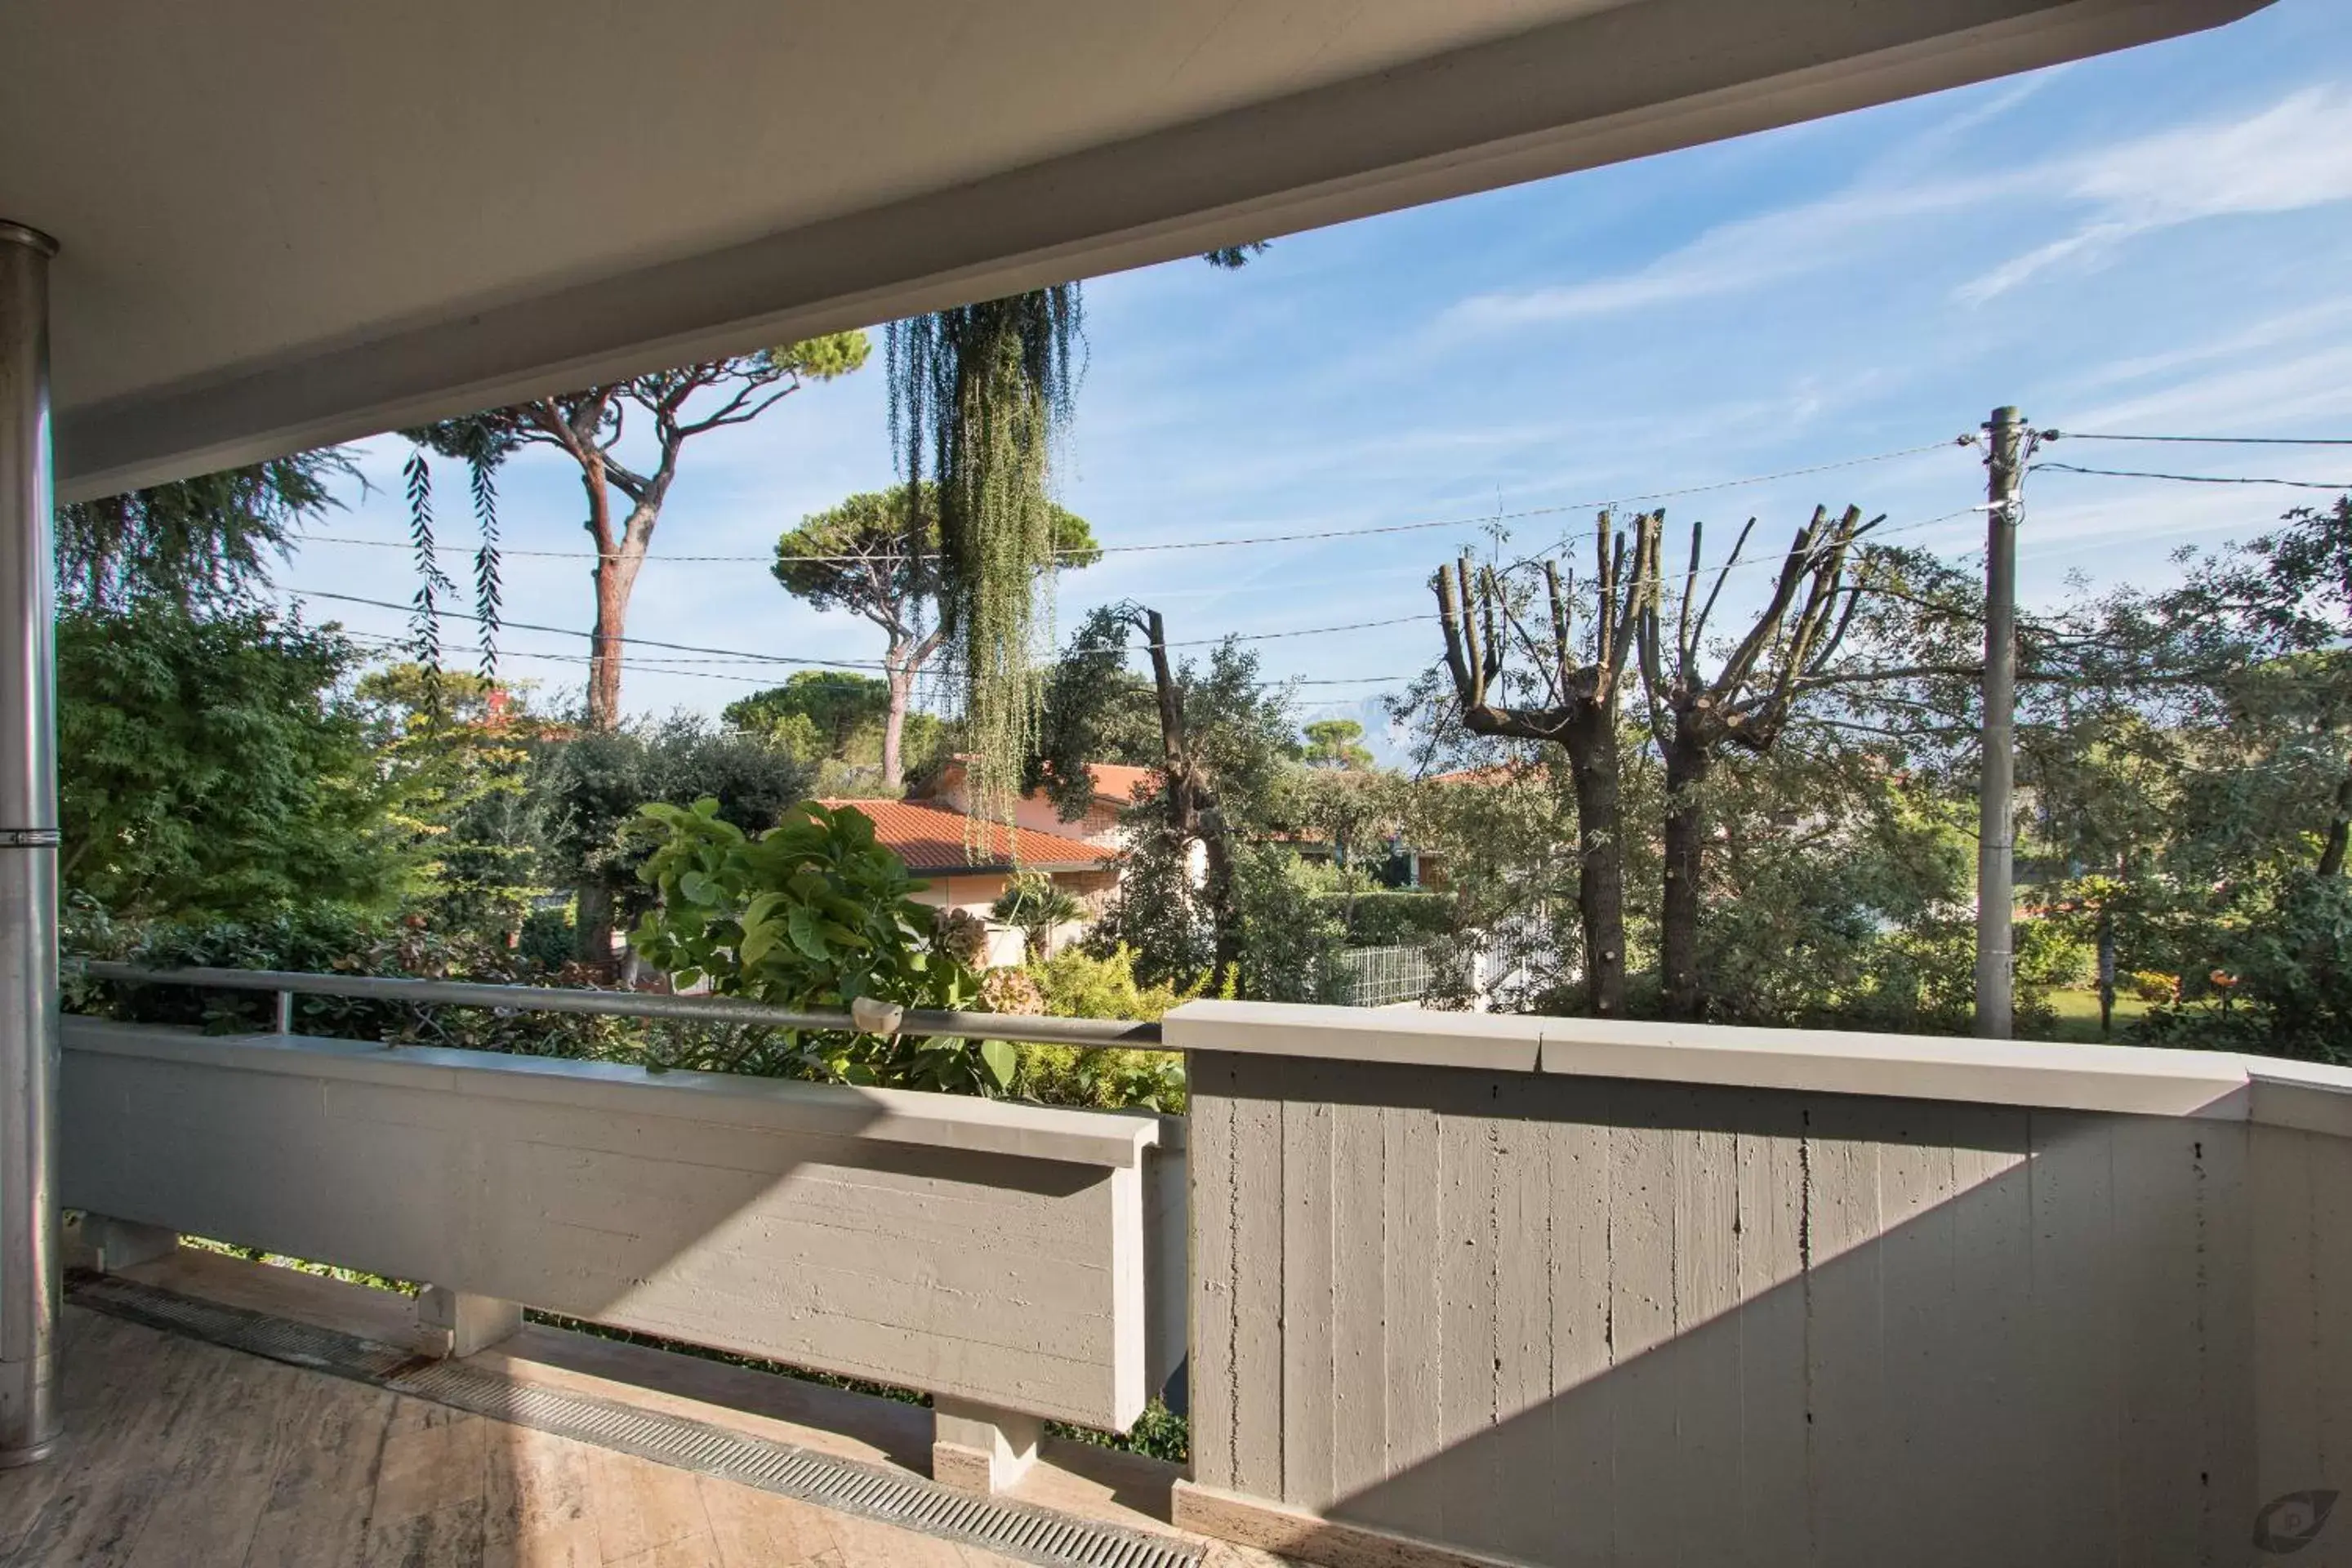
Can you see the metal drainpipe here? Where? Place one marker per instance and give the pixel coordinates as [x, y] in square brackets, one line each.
[29, 1275]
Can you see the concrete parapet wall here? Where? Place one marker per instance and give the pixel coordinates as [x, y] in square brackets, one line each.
[991, 1252]
[1564, 1318]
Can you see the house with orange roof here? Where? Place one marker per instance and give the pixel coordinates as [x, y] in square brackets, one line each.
[966, 864]
[1114, 788]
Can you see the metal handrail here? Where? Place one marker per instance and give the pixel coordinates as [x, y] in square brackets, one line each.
[1028, 1028]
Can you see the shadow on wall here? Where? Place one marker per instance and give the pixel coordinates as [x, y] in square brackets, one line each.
[769, 1218]
[1569, 1320]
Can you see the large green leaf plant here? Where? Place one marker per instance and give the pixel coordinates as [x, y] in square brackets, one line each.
[810, 914]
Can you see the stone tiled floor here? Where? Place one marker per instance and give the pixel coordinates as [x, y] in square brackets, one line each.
[180, 1452]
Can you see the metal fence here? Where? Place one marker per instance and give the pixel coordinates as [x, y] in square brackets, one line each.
[1382, 976]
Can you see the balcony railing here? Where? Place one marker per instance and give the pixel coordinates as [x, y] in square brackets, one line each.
[1455, 1288]
[1017, 1262]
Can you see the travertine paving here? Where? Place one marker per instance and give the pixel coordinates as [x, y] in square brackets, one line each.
[179, 1452]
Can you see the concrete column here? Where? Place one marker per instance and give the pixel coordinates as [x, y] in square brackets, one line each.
[978, 1449]
[454, 1324]
[29, 1274]
[110, 1246]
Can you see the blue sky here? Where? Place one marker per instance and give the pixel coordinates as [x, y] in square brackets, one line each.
[2159, 240]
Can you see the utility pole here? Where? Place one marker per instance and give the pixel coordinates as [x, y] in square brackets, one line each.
[2004, 436]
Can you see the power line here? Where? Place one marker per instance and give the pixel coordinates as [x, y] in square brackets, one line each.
[570, 632]
[1296, 538]
[739, 655]
[1746, 562]
[2195, 479]
[2203, 440]
[387, 642]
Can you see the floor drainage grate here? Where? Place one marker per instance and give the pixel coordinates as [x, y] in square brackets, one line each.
[1016, 1529]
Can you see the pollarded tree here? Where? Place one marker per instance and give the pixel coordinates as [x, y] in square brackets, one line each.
[1746, 703]
[1573, 688]
[656, 414]
[879, 555]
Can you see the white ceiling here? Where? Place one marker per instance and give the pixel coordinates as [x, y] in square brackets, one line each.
[292, 221]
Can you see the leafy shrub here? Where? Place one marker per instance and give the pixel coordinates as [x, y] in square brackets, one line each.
[2154, 987]
[2280, 985]
[331, 941]
[213, 768]
[1291, 938]
[811, 914]
[547, 941]
[1392, 918]
[1036, 906]
[2048, 955]
[1157, 913]
[1075, 984]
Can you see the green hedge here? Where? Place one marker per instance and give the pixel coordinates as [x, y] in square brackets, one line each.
[1393, 918]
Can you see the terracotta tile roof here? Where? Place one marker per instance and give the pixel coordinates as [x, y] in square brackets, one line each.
[1115, 784]
[931, 837]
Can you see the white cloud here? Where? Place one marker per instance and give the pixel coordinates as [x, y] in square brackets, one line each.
[2302, 326]
[2274, 393]
[2295, 155]
[1733, 257]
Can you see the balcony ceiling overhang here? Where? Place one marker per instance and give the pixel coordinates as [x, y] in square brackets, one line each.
[285, 223]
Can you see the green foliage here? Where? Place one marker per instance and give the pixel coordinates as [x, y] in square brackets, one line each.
[1355, 811]
[978, 396]
[331, 941]
[877, 554]
[1158, 914]
[1075, 983]
[1078, 985]
[1508, 849]
[821, 359]
[833, 704]
[1097, 711]
[2283, 982]
[1291, 936]
[1157, 1434]
[835, 717]
[1035, 906]
[585, 789]
[200, 544]
[809, 914]
[1335, 743]
[458, 750]
[2050, 954]
[2153, 985]
[213, 768]
[1392, 917]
